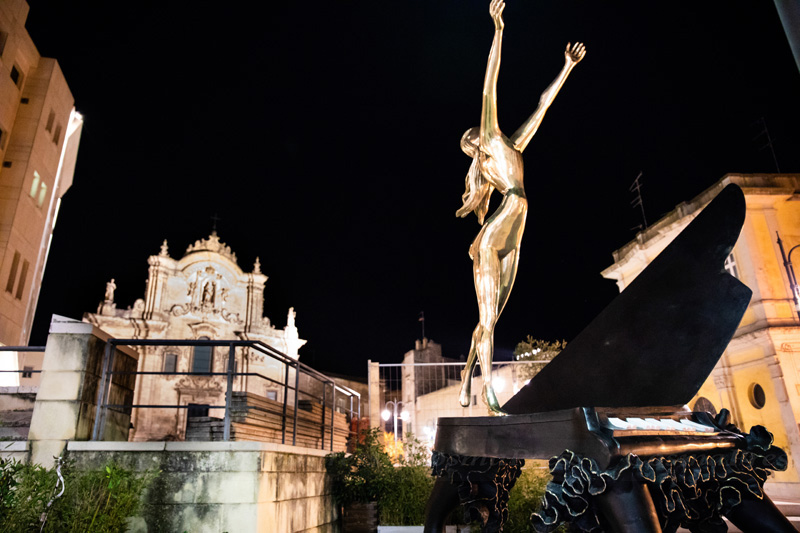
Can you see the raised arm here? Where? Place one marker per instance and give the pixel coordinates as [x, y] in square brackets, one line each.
[525, 133]
[489, 126]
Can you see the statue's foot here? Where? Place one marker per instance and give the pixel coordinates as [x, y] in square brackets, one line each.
[491, 402]
[465, 397]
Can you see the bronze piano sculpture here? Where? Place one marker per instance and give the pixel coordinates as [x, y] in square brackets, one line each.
[629, 466]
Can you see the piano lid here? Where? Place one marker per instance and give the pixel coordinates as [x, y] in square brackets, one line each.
[657, 342]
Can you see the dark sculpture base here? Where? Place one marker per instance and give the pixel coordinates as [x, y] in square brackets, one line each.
[641, 495]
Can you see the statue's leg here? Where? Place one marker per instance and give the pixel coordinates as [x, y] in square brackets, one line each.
[487, 286]
[465, 396]
[759, 516]
[442, 501]
[627, 507]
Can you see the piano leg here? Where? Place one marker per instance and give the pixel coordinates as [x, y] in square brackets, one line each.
[759, 516]
[628, 508]
[443, 499]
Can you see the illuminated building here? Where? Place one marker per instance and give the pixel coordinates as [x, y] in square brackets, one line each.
[39, 135]
[758, 376]
[203, 295]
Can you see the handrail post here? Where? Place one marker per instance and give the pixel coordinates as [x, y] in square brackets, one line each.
[111, 347]
[333, 409]
[101, 387]
[322, 425]
[296, 395]
[285, 400]
[229, 392]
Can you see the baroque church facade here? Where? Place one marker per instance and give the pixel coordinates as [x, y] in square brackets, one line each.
[204, 295]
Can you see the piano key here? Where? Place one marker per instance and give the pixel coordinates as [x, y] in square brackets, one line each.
[696, 426]
[618, 423]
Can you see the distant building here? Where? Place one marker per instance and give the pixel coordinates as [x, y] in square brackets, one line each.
[758, 376]
[39, 135]
[202, 295]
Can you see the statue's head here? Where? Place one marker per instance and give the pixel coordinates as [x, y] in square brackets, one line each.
[469, 141]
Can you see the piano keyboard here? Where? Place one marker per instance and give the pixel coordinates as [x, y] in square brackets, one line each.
[656, 426]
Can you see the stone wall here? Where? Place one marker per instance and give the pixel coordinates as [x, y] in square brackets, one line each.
[223, 486]
[16, 410]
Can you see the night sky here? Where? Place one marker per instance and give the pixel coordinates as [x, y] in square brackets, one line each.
[325, 137]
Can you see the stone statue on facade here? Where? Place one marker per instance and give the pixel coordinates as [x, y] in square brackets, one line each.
[497, 165]
[110, 287]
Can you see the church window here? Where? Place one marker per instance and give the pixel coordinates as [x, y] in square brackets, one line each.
[704, 404]
[170, 362]
[50, 119]
[201, 362]
[27, 371]
[756, 396]
[12, 275]
[197, 409]
[23, 273]
[730, 266]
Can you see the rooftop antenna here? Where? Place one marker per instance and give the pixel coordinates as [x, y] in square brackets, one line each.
[769, 142]
[422, 319]
[636, 188]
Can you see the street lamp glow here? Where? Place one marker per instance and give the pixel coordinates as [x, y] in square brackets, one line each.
[405, 416]
[499, 384]
[386, 415]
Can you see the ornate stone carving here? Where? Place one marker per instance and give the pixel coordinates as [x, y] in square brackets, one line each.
[212, 244]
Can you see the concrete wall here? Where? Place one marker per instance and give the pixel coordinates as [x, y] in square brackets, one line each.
[66, 403]
[223, 486]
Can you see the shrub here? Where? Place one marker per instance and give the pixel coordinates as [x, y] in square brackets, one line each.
[526, 497]
[96, 501]
[362, 476]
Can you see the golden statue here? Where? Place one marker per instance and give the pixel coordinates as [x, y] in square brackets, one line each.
[497, 164]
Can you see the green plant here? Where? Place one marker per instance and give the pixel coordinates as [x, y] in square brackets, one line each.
[536, 350]
[526, 497]
[362, 476]
[410, 484]
[96, 501]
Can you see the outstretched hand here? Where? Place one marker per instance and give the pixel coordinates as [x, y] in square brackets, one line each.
[496, 11]
[574, 53]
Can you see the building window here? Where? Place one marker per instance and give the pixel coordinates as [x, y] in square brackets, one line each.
[22, 275]
[170, 362]
[201, 362]
[57, 134]
[704, 405]
[24, 101]
[730, 266]
[12, 275]
[3, 39]
[756, 396]
[50, 119]
[27, 371]
[38, 189]
[6, 164]
[197, 409]
[16, 76]
[35, 184]
[3, 138]
[272, 395]
[42, 194]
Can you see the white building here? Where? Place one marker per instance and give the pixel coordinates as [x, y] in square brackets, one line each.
[202, 295]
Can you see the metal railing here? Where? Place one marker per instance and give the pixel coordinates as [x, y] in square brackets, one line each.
[107, 372]
[21, 349]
